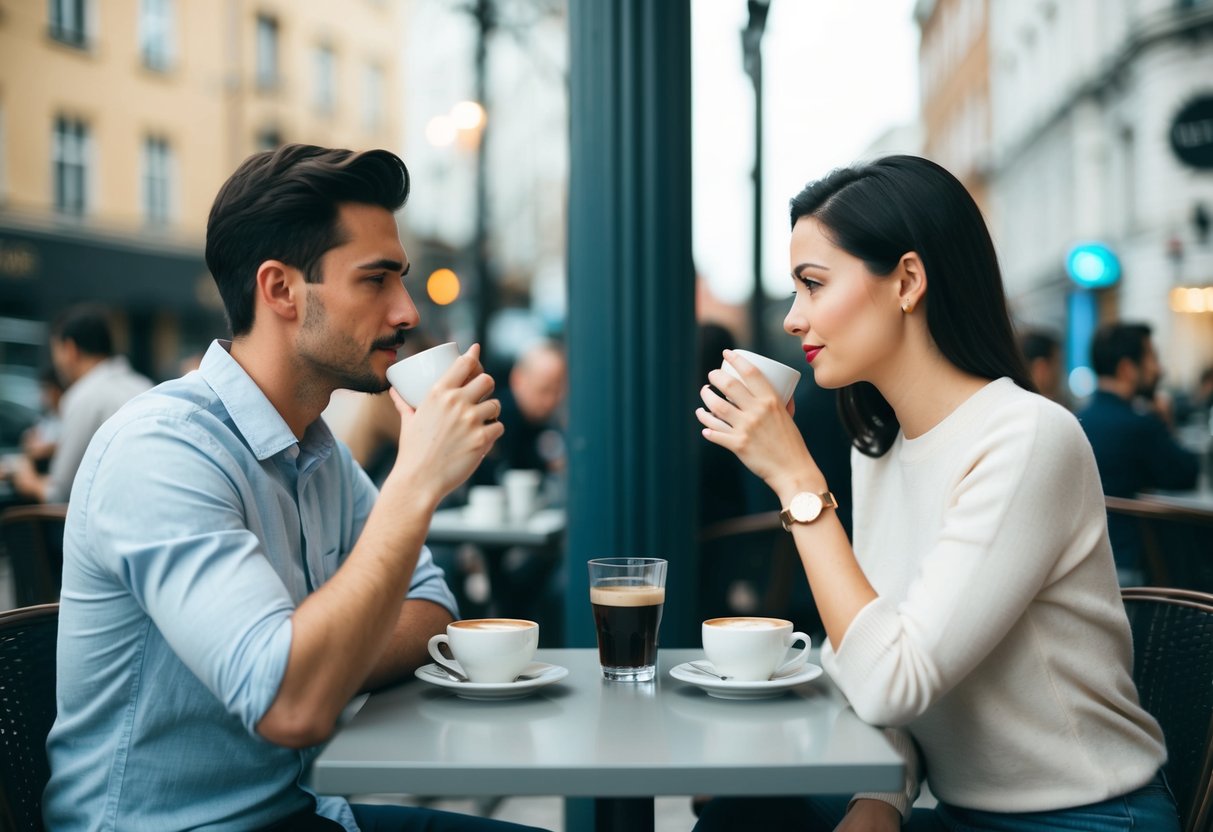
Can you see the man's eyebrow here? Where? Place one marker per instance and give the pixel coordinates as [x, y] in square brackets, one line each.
[385, 263]
[796, 271]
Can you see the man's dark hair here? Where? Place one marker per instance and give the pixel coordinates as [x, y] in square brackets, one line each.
[282, 205]
[87, 327]
[1036, 343]
[1114, 342]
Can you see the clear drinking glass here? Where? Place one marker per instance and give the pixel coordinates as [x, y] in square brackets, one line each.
[627, 596]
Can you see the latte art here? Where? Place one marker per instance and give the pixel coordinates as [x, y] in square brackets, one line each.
[747, 623]
[498, 624]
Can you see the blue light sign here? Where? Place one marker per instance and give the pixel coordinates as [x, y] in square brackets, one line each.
[1093, 265]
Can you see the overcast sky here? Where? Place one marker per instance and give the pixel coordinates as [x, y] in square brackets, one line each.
[837, 74]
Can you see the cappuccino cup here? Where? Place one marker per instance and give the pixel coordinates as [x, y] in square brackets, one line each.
[753, 649]
[487, 650]
[486, 505]
[782, 377]
[414, 376]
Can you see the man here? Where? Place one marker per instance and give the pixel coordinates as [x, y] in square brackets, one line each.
[532, 439]
[1133, 447]
[98, 383]
[1042, 353]
[231, 577]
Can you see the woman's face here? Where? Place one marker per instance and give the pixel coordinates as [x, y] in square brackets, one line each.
[846, 318]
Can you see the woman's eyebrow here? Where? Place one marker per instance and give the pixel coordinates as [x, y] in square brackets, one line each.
[796, 271]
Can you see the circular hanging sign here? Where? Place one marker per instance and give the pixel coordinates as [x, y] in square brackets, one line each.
[1093, 265]
[1192, 133]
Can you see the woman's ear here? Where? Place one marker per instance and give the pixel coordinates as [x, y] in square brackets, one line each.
[911, 281]
[279, 289]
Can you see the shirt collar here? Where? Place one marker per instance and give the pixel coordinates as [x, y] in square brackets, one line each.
[258, 421]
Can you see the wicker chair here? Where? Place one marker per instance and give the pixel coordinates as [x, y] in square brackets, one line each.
[27, 710]
[32, 538]
[1173, 669]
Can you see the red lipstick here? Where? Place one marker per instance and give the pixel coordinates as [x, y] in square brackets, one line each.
[810, 352]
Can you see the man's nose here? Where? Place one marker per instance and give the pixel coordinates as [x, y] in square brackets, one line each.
[403, 313]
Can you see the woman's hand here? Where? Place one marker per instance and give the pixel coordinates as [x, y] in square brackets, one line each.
[870, 816]
[752, 423]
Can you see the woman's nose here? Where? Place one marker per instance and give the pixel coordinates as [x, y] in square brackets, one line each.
[794, 323]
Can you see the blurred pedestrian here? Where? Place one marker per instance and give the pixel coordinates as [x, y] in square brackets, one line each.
[39, 441]
[978, 609]
[530, 412]
[1133, 445]
[1042, 352]
[98, 383]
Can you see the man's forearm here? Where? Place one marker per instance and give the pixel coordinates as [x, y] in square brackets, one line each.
[419, 621]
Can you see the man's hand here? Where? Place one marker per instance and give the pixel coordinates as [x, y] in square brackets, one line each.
[28, 482]
[446, 437]
[870, 816]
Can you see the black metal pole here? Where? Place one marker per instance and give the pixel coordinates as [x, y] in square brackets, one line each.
[751, 42]
[486, 297]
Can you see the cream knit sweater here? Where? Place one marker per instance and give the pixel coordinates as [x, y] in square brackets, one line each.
[998, 640]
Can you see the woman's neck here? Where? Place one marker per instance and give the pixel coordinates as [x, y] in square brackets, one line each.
[925, 388]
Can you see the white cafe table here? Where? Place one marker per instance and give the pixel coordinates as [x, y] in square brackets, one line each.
[622, 743]
[543, 529]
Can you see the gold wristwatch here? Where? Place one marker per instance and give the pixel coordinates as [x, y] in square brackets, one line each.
[806, 507]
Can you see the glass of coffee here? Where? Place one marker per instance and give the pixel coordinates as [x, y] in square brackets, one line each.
[627, 596]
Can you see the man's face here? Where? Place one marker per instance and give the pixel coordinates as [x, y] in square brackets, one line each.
[63, 357]
[538, 385]
[1149, 373]
[354, 320]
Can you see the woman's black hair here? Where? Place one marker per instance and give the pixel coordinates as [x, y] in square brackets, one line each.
[882, 210]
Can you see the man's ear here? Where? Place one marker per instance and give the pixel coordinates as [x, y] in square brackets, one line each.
[279, 290]
[911, 281]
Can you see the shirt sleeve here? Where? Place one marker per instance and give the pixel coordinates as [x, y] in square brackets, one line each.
[190, 561]
[1168, 464]
[1025, 498]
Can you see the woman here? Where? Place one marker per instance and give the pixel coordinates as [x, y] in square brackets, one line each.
[978, 613]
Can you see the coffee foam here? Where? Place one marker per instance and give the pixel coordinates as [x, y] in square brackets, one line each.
[493, 624]
[748, 623]
[627, 596]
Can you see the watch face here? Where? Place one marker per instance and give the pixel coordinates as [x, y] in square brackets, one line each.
[805, 507]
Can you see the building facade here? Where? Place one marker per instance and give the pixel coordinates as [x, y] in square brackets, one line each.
[120, 119]
[954, 84]
[1089, 100]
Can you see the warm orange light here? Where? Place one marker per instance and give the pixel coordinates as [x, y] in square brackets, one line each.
[442, 286]
[1192, 300]
[468, 115]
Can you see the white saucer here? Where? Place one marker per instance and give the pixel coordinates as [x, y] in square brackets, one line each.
[733, 689]
[545, 674]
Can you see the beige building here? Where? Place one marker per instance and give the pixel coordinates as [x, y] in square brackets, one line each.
[954, 77]
[120, 119]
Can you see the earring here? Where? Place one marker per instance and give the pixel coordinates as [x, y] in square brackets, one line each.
[907, 307]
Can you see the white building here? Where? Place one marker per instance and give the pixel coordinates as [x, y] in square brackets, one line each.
[1085, 94]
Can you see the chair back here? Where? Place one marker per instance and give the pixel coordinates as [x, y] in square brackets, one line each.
[27, 711]
[1176, 542]
[1173, 669]
[32, 539]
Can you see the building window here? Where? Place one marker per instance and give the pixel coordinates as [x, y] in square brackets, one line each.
[157, 34]
[70, 156]
[372, 101]
[69, 21]
[158, 176]
[269, 138]
[325, 61]
[267, 52]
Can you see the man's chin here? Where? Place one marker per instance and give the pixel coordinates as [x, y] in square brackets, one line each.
[369, 384]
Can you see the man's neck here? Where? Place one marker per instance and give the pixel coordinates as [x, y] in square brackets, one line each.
[278, 376]
[1117, 388]
[86, 364]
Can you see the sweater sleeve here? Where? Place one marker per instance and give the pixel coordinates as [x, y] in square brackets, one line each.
[902, 801]
[1016, 506]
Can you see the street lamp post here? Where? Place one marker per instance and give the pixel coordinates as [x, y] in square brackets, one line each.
[751, 46]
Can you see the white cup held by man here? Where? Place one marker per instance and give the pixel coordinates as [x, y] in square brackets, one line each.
[521, 493]
[753, 649]
[414, 376]
[487, 650]
[782, 377]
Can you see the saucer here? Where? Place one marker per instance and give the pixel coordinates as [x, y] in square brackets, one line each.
[545, 674]
[734, 689]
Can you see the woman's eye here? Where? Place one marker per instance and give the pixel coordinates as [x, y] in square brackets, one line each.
[811, 285]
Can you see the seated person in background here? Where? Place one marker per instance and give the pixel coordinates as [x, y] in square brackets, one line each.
[39, 441]
[98, 383]
[1042, 352]
[1133, 446]
[231, 577]
[534, 439]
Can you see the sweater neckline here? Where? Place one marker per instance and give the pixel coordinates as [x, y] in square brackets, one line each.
[920, 447]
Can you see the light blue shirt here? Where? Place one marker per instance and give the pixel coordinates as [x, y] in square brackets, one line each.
[197, 523]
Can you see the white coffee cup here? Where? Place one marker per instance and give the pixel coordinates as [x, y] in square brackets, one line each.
[782, 377]
[487, 650]
[486, 505]
[753, 649]
[414, 376]
[521, 493]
